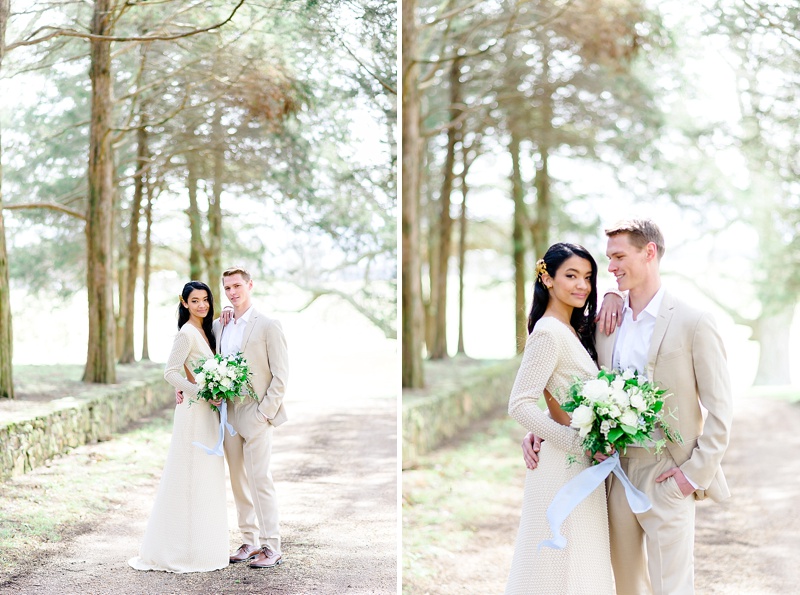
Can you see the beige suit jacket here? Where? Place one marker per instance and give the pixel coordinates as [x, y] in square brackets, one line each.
[264, 348]
[687, 358]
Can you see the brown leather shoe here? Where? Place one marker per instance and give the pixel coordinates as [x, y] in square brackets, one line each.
[245, 552]
[266, 559]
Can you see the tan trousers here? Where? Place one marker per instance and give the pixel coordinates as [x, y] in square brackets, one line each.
[248, 454]
[652, 552]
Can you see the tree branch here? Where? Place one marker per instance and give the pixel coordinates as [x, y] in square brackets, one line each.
[737, 318]
[46, 205]
[32, 40]
[383, 325]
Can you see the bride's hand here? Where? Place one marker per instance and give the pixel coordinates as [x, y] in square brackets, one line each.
[610, 315]
[216, 403]
[226, 315]
[600, 457]
[178, 396]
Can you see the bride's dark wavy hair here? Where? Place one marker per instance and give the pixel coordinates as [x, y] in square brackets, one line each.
[183, 311]
[582, 320]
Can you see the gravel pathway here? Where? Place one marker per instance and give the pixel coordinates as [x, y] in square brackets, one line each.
[335, 467]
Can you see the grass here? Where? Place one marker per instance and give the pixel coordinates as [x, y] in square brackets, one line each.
[59, 499]
[456, 492]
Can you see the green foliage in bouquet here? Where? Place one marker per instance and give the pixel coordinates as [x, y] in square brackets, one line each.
[223, 377]
[616, 409]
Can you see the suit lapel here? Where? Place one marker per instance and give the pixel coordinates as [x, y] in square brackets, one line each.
[251, 323]
[660, 329]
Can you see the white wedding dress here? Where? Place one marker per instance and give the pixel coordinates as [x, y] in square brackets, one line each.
[553, 358]
[188, 528]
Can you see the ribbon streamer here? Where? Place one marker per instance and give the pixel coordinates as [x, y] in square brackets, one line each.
[579, 487]
[223, 423]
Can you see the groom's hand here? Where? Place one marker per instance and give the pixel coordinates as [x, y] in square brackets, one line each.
[530, 450]
[610, 315]
[683, 483]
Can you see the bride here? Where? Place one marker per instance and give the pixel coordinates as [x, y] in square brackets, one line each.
[188, 528]
[559, 348]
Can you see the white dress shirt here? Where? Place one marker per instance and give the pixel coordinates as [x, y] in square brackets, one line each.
[632, 347]
[233, 334]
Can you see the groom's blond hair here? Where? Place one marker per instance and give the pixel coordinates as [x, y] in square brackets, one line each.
[641, 232]
[236, 271]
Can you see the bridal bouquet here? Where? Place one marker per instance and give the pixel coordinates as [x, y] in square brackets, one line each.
[223, 377]
[616, 409]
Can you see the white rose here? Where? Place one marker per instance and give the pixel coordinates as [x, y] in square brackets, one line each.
[210, 364]
[618, 384]
[620, 397]
[614, 411]
[200, 378]
[582, 419]
[637, 401]
[628, 374]
[595, 390]
[226, 382]
[231, 373]
[630, 418]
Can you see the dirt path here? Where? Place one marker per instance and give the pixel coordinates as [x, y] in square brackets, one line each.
[335, 471]
[746, 545]
[749, 543]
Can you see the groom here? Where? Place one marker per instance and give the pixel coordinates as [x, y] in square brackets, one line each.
[678, 347]
[261, 341]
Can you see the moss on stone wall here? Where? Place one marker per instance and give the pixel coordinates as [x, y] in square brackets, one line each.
[78, 419]
[432, 418]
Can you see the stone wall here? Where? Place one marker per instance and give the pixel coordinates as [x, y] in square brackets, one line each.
[430, 419]
[78, 419]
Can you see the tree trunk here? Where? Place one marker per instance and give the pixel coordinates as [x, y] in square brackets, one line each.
[128, 306]
[462, 251]
[439, 347]
[148, 246]
[195, 222]
[777, 300]
[540, 225]
[412, 372]
[540, 228]
[120, 281]
[518, 239]
[214, 252]
[434, 241]
[6, 332]
[100, 354]
[773, 338]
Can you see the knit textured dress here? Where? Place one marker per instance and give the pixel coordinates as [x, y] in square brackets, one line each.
[188, 528]
[553, 358]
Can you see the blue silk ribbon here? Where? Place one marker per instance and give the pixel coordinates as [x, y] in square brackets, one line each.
[223, 423]
[577, 489]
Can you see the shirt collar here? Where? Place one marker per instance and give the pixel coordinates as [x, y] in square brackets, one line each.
[246, 316]
[652, 307]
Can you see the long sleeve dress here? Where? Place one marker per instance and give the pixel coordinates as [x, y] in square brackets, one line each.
[553, 358]
[188, 528]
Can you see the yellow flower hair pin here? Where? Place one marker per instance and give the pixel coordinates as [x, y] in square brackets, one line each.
[541, 268]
